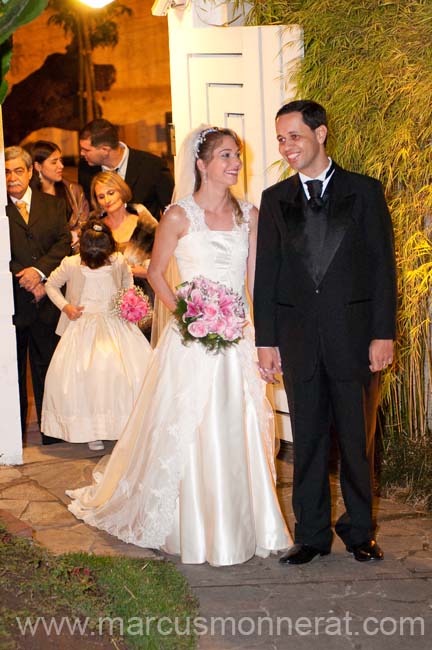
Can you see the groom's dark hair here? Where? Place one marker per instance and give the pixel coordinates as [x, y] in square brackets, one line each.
[313, 114]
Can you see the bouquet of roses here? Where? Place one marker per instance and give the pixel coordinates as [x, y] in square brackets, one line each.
[210, 313]
[132, 305]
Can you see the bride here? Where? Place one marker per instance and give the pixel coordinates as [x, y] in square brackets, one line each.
[193, 472]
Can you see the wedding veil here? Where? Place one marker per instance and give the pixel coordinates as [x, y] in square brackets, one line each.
[185, 163]
[184, 185]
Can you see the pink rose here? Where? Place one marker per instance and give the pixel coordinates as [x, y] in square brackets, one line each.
[220, 327]
[198, 329]
[215, 326]
[232, 333]
[210, 311]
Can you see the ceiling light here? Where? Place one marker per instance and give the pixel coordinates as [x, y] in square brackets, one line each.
[96, 4]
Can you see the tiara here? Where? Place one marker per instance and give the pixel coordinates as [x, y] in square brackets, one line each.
[97, 227]
[201, 138]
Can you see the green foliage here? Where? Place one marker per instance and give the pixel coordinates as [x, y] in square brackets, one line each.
[369, 63]
[13, 14]
[102, 22]
[36, 583]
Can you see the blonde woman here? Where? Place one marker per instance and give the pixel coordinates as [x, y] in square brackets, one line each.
[132, 225]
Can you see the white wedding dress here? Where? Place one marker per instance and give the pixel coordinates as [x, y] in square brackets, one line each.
[193, 472]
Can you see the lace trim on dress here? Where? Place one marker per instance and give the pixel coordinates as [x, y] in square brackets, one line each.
[193, 213]
[196, 215]
[161, 469]
[255, 393]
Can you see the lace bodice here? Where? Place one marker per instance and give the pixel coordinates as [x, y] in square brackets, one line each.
[216, 254]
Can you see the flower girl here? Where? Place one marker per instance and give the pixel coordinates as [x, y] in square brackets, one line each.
[99, 364]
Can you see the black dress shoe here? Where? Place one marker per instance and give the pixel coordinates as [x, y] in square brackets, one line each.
[366, 551]
[301, 554]
[49, 440]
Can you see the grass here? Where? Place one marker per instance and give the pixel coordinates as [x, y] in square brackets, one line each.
[35, 583]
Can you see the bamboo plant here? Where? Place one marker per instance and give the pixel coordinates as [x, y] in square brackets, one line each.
[369, 62]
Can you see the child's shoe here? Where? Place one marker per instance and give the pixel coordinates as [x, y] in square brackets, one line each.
[96, 445]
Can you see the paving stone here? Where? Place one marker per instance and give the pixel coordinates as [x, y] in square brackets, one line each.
[47, 514]
[9, 474]
[398, 587]
[15, 506]
[29, 490]
[71, 474]
[107, 545]
[73, 539]
[419, 563]
[334, 622]
[14, 525]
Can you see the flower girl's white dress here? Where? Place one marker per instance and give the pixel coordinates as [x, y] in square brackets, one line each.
[193, 472]
[97, 369]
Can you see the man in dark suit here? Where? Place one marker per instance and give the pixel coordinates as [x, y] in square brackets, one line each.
[146, 174]
[39, 238]
[324, 308]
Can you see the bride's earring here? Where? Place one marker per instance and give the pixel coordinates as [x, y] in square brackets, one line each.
[204, 177]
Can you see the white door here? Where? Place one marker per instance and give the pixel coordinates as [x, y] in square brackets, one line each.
[234, 76]
[10, 425]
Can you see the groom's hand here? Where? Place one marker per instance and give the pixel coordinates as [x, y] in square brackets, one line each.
[380, 354]
[269, 364]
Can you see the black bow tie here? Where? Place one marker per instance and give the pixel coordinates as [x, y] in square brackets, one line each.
[315, 190]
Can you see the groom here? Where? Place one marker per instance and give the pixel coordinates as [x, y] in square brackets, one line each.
[324, 308]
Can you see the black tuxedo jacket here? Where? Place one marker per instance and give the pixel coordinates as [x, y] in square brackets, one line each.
[352, 301]
[41, 243]
[150, 180]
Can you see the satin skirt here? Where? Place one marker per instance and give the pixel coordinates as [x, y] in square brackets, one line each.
[94, 378]
[193, 472]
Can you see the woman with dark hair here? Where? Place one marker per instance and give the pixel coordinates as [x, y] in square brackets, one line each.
[132, 225]
[193, 472]
[99, 364]
[48, 177]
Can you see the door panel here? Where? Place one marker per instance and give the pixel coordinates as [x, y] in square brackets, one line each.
[235, 77]
[227, 75]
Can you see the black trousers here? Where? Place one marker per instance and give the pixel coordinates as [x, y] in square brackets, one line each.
[39, 340]
[314, 404]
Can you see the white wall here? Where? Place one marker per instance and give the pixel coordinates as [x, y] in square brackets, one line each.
[10, 425]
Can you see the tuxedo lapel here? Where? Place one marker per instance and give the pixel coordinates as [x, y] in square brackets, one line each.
[294, 224]
[338, 222]
[293, 221]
